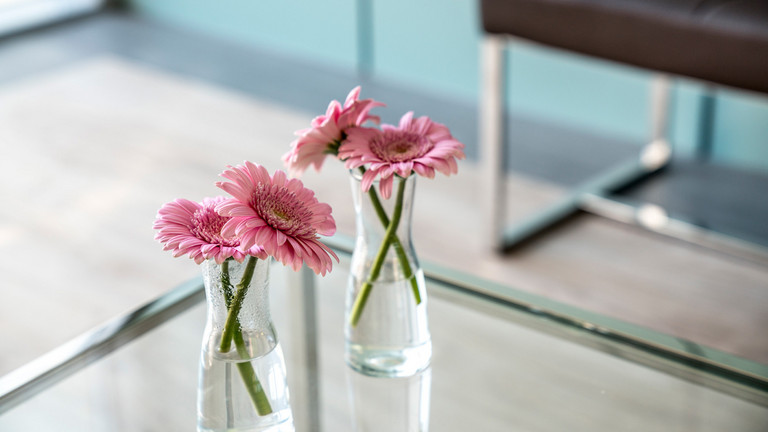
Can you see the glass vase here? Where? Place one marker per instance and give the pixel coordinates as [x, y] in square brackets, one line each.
[242, 383]
[386, 327]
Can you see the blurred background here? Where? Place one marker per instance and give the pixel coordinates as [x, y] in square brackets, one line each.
[108, 109]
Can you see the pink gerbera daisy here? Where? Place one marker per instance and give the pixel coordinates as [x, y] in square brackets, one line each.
[278, 214]
[419, 145]
[189, 228]
[328, 131]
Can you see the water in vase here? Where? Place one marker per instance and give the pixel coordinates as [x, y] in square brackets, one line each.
[225, 404]
[392, 337]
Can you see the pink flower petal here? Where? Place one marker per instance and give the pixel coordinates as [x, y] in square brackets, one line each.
[281, 216]
[368, 178]
[327, 131]
[385, 186]
[416, 145]
[197, 230]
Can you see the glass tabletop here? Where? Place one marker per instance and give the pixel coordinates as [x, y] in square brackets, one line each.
[503, 360]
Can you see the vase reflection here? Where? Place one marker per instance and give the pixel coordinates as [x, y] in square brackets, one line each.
[390, 404]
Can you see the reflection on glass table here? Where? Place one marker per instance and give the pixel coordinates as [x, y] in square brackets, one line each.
[503, 361]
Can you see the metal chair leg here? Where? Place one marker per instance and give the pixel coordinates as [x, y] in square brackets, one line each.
[493, 156]
[596, 196]
[492, 148]
[593, 195]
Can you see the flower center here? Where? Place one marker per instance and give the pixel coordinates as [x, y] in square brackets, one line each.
[282, 210]
[400, 146]
[206, 225]
[280, 214]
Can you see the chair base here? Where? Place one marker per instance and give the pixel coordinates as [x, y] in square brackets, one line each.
[599, 198]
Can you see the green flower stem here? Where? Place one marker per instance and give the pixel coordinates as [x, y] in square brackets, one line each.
[252, 384]
[396, 244]
[231, 322]
[389, 235]
[226, 284]
[250, 380]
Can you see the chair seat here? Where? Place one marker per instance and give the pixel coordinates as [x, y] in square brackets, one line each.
[721, 41]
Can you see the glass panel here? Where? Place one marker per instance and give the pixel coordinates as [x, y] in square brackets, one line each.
[149, 384]
[488, 374]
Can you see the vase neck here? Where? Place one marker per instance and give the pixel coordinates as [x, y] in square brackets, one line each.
[374, 213]
[239, 292]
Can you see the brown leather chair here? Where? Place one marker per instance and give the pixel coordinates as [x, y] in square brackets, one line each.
[722, 42]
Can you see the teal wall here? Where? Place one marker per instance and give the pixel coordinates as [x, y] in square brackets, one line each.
[741, 130]
[429, 44]
[322, 31]
[434, 45]
[579, 92]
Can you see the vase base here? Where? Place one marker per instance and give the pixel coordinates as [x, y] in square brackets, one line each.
[388, 362]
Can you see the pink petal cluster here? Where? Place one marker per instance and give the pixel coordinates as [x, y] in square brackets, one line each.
[278, 214]
[327, 132]
[190, 228]
[415, 145]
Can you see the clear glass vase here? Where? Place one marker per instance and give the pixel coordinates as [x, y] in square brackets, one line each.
[386, 305]
[242, 384]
